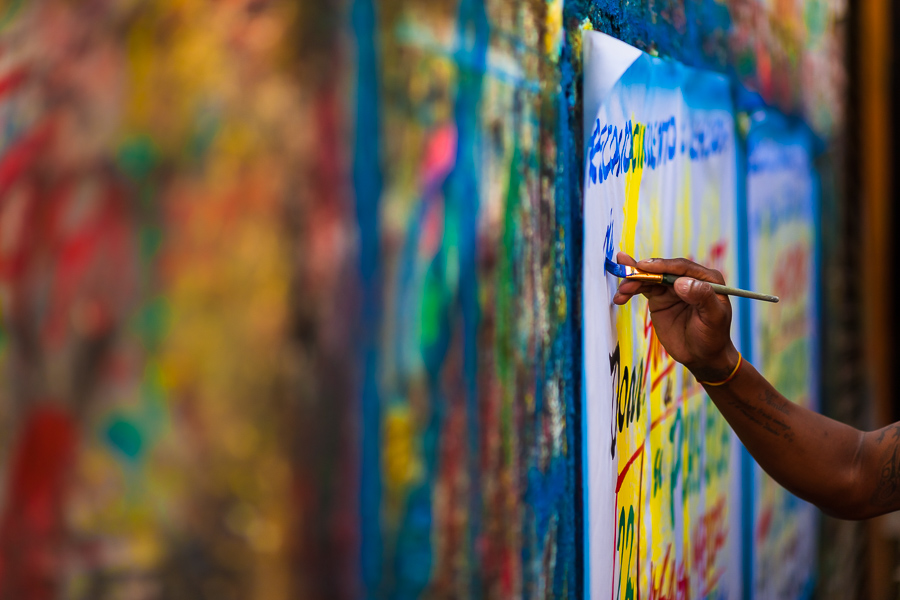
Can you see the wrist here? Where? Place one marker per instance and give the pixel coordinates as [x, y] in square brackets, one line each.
[718, 367]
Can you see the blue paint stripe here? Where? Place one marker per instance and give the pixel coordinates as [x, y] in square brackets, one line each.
[568, 214]
[473, 34]
[367, 184]
[748, 496]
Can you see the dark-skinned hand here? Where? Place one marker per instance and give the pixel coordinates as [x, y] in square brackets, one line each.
[692, 322]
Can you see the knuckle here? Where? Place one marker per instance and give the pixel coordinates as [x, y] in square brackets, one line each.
[682, 265]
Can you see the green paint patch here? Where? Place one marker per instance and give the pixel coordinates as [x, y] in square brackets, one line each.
[432, 307]
[816, 17]
[9, 13]
[150, 240]
[124, 436]
[137, 157]
[150, 323]
[506, 274]
[507, 303]
[153, 412]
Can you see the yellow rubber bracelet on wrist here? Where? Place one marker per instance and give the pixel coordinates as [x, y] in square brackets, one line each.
[730, 377]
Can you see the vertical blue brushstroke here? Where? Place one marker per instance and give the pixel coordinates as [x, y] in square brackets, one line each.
[570, 212]
[463, 196]
[570, 559]
[748, 498]
[367, 185]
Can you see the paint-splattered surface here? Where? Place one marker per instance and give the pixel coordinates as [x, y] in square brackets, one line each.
[289, 290]
[474, 375]
[791, 52]
[472, 391]
[159, 327]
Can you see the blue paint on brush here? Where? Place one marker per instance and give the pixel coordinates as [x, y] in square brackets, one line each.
[616, 269]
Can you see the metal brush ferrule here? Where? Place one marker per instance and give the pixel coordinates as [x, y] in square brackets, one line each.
[636, 275]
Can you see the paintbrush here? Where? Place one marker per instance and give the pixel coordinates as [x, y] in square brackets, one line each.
[632, 274]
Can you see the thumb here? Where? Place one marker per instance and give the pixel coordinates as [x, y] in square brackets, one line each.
[701, 296]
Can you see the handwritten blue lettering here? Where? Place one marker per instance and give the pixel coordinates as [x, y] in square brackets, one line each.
[614, 149]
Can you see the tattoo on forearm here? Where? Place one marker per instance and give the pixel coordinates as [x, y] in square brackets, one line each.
[894, 430]
[889, 480]
[764, 418]
[772, 398]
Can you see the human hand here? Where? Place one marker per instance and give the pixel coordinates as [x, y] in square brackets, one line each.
[692, 322]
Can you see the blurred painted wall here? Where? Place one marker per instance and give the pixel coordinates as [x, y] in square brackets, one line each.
[290, 300]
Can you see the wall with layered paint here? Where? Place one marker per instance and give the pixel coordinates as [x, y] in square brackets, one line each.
[502, 82]
[290, 293]
[174, 302]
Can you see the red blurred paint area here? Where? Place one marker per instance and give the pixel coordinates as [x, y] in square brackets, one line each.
[32, 530]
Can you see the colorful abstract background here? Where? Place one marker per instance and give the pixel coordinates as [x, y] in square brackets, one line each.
[290, 291]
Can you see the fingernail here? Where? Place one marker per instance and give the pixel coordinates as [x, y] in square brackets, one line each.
[649, 260]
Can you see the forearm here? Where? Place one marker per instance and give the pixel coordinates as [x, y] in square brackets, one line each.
[814, 457]
[845, 472]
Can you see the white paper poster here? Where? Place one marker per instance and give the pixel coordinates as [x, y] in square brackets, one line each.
[662, 506]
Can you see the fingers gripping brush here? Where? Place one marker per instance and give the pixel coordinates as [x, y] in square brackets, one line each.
[633, 274]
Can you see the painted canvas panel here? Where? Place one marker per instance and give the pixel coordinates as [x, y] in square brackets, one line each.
[781, 211]
[468, 450]
[662, 510]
